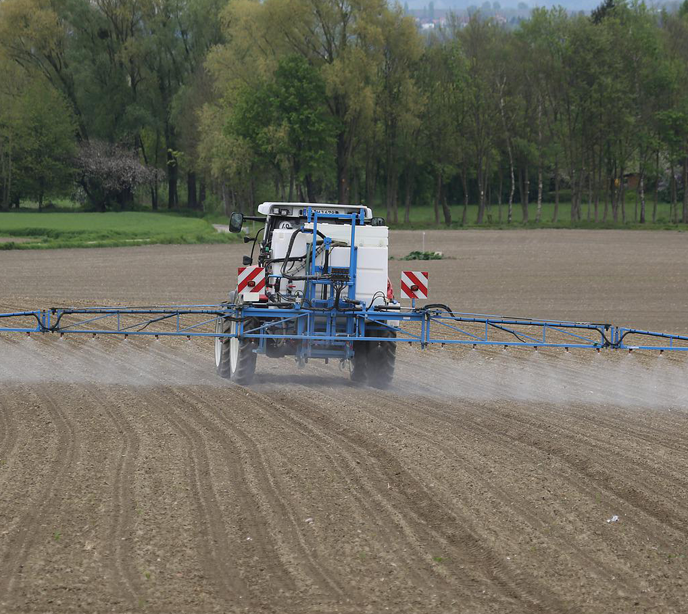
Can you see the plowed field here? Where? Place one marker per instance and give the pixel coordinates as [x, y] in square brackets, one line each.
[133, 479]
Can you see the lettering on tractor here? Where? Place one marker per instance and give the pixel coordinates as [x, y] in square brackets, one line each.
[316, 286]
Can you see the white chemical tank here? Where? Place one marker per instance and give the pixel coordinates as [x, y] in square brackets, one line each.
[372, 260]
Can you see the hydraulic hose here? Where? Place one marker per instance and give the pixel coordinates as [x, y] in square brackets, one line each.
[288, 257]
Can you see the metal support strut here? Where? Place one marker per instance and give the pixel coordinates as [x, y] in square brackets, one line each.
[425, 326]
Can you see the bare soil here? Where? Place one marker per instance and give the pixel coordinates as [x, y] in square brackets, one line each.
[133, 479]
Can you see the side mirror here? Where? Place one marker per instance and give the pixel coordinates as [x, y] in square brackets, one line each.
[377, 221]
[236, 221]
[247, 261]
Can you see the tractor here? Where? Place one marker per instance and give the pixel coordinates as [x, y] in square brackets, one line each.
[319, 269]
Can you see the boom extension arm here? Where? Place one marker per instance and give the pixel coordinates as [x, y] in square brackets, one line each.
[425, 326]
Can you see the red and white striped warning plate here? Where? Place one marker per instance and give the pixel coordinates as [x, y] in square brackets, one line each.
[251, 282]
[414, 284]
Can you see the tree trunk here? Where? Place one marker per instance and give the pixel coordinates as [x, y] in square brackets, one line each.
[511, 156]
[355, 188]
[656, 200]
[464, 215]
[488, 202]
[555, 216]
[525, 188]
[598, 183]
[589, 195]
[225, 198]
[684, 217]
[191, 200]
[343, 154]
[155, 196]
[201, 194]
[391, 196]
[622, 196]
[672, 210]
[172, 171]
[370, 179]
[446, 210]
[408, 192]
[481, 194]
[538, 213]
[606, 200]
[499, 198]
[310, 189]
[641, 187]
[615, 199]
[252, 194]
[574, 195]
[438, 195]
[9, 172]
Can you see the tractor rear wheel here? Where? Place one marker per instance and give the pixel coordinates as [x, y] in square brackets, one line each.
[234, 357]
[382, 357]
[359, 362]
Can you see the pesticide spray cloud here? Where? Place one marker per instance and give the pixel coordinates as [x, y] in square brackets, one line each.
[103, 361]
[554, 377]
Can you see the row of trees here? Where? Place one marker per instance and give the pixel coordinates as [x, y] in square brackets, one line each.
[126, 76]
[346, 100]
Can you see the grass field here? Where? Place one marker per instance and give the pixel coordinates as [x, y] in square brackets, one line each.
[424, 217]
[28, 229]
[50, 230]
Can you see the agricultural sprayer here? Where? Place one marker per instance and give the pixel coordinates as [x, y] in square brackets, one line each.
[319, 289]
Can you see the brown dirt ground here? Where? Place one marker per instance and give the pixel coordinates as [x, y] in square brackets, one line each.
[132, 479]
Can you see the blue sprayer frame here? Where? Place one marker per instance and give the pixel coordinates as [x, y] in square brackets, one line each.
[322, 329]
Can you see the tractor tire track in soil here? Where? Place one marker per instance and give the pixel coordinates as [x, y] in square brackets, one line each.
[426, 516]
[482, 481]
[119, 538]
[8, 436]
[18, 544]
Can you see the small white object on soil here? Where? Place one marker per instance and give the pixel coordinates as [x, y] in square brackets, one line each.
[614, 518]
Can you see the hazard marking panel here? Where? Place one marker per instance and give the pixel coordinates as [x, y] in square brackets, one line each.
[251, 282]
[414, 284]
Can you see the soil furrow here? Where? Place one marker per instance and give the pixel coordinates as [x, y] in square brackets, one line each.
[582, 475]
[8, 443]
[218, 559]
[483, 481]
[537, 521]
[589, 461]
[120, 533]
[266, 486]
[265, 483]
[19, 543]
[429, 515]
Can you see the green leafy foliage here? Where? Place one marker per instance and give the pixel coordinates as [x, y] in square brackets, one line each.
[479, 121]
[418, 255]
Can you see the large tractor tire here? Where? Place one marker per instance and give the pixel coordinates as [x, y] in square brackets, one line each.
[381, 358]
[234, 357]
[359, 362]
